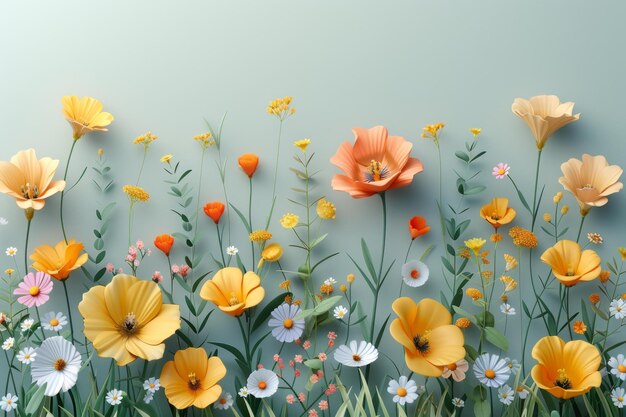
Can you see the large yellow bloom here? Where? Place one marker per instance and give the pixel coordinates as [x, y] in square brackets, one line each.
[566, 370]
[570, 265]
[232, 291]
[544, 115]
[59, 261]
[591, 180]
[429, 338]
[127, 319]
[29, 180]
[85, 115]
[191, 378]
[498, 212]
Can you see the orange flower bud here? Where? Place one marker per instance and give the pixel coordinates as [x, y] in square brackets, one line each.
[214, 210]
[418, 226]
[248, 162]
[164, 243]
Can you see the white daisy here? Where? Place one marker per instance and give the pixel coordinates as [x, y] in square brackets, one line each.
[330, 281]
[618, 309]
[57, 365]
[262, 383]
[243, 392]
[513, 364]
[506, 395]
[340, 312]
[114, 397]
[618, 366]
[26, 355]
[357, 354]
[8, 343]
[152, 384]
[456, 370]
[9, 403]
[491, 371]
[148, 397]
[522, 392]
[11, 251]
[285, 326]
[404, 390]
[53, 322]
[27, 324]
[618, 395]
[3, 221]
[458, 403]
[232, 251]
[415, 273]
[224, 402]
[506, 308]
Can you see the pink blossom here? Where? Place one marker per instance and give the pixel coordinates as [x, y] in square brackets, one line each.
[314, 379]
[259, 366]
[297, 373]
[157, 277]
[332, 335]
[290, 399]
[323, 405]
[140, 245]
[120, 270]
[313, 413]
[298, 358]
[136, 263]
[281, 365]
[292, 363]
[184, 270]
[319, 373]
[302, 397]
[501, 170]
[149, 252]
[110, 267]
[306, 345]
[34, 289]
[331, 343]
[175, 269]
[132, 251]
[332, 388]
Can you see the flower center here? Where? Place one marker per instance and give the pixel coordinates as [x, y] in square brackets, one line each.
[621, 368]
[452, 367]
[501, 171]
[356, 358]
[59, 365]
[620, 398]
[490, 373]
[34, 291]
[421, 343]
[375, 171]
[401, 392]
[54, 322]
[28, 192]
[152, 385]
[262, 385]
[27, 356]
[562, 380]
[415, 274]
[222, 400]
[288, 323]
[234, 300]
[495, 216]
[130, 323]
[192, 382]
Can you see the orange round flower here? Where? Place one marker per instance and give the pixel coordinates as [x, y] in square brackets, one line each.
[497, 212]
[214, 210]
[418, 226]
[248, 162]
[375, 163]
[164, 242]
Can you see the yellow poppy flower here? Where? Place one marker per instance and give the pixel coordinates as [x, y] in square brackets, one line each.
[430, 340]
[127, 319]
[570, 265]
[591, 180]
[232, 291]
[544, 115]
[191, 378]
[85, 115]
[498, 212]
[29, 180]
[566, 370]
[59, 261]
[271, 253]
[302, 144]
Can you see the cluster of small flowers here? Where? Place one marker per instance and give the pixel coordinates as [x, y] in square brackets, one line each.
[136, 254]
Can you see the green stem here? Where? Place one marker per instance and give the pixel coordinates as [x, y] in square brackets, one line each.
[280, 133]
[67, 165]
[143, 162]
[69, 311]
[250, 222]
[197, 214]
[580, 227]
[406, 258]
[219, 240]
[130, 222]
[569, 327]
[535, 208]
[26, 247]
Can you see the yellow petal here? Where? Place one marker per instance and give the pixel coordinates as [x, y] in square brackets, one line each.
[162, 326]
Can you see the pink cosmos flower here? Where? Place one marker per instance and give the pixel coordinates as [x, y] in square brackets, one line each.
[34, 289]
[501, 170]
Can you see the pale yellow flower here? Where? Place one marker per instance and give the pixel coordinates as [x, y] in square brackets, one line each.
[281, 107]
[146, 139]
[289, 221]
[475, 244]
[475, 131]
[167, 158]
[136, 193]
[302, 144]
[260, 236]
[325, 209]
[85, 115]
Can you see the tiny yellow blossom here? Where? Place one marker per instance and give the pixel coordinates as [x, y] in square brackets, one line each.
[326, 289]
[475, 131]
[146, 139]
[579, 327]
[432, 131]
[325, 209]
[9, 271]
[523, 237]
[343, 288]
[285, 285]
[509, 283]
[260, 236]
[547, 217]
[204, 139]
[504, 298]
[622, 252]
[594, 298]
[564, 210]
[463, 323]
[350, 278]
[511, 262]
[280, 107]
[289, 220]
[557, 197]
[136, 193]
[474, 293]
[495, 237]
[475, 244]
[100, 152]
[167, 158]
[302, 144]
[604, 276]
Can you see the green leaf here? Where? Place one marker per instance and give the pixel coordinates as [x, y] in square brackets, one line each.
[367, 256]
[462, 156]
[33, 403]
[267, 310]
[242, 217]
[496, 338]
[314, 363]
[321, 308]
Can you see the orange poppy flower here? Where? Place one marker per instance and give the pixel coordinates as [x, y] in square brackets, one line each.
[498, 212]
[232, 291]
[418, 227]
[214, 210]
[59, 261]
[570, 265]
[375, 163]
[164, 242]
[248, 162]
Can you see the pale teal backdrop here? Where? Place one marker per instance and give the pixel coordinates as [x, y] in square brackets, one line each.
[165, 66]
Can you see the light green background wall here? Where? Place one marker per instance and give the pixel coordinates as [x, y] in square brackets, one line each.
[164, 66]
